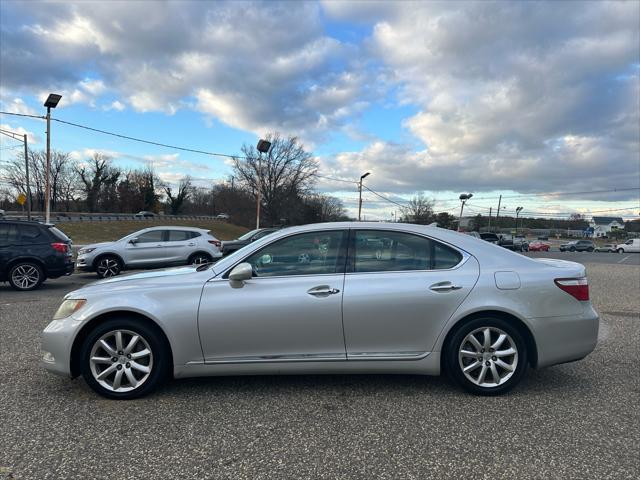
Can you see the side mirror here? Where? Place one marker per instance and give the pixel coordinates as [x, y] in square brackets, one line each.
[134, 240]
[240, 273]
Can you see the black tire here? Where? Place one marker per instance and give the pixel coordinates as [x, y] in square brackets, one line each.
[590, 249]
[453, 360]
[160, 358]
[572, 249]
[25, 276]
[199, 258]
[621, 250]
[108, 266]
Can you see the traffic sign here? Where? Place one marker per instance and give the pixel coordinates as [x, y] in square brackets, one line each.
[22, 198]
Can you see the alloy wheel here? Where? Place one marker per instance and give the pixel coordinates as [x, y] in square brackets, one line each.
[25, 277]
[200, 259]
[121, 360]
[108, 267]
[488, 357]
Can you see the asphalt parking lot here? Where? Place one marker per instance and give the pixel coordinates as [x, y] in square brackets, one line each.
[578, 420]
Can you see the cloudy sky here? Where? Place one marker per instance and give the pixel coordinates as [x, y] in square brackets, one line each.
[522, 99]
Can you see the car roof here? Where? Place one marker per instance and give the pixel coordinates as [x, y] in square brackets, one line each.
[27, 222]
[172, 227]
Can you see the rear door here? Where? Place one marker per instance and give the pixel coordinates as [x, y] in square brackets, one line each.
[9, 238]
[400, 289]
[179, 245]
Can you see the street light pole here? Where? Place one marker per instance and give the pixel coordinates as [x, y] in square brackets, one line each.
[463, 198]
[51, 102]
[360, 194]
[518, 210]
[26, 168]
[263, 147]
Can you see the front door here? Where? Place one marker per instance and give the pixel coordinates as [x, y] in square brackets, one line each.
[291, 310]
[147, 250]
[400, 289]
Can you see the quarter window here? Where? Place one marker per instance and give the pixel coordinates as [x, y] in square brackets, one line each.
[179, 235]
[314, 253]
[29, 233]
[381, 251]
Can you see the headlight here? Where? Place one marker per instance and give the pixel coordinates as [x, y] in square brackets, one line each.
[69, 307]
[82, 251]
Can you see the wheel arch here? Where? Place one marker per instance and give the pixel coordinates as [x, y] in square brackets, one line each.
[199, 252]
[109, 254]
[35, 260]
[532, 349]
[74, 359]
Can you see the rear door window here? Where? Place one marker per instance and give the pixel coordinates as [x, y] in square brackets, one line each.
[8, 234]
[179, 236]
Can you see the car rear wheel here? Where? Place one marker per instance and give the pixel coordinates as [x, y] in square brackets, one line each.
[26, 276]
[621, 250]
[199, 259]
[486, 356]
[108, 266]
[124, 359]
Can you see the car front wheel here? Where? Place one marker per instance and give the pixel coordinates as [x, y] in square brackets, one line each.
[621, 250]
[486, 356]
[108, 266]
[124, 359]
[26, 276]
[199, 259]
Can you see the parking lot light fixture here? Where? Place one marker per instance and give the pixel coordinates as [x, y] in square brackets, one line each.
[518, 210]
[463, 198]
[262, 147]
[362, 177]
[52, 102]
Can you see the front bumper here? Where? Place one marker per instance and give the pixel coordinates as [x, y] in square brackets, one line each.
[57, 340]
[567, 338]
[85, 263]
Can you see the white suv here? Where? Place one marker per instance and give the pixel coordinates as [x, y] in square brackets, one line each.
[632, 245]
[149, 248]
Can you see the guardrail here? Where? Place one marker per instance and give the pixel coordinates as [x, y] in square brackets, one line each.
[106, 217]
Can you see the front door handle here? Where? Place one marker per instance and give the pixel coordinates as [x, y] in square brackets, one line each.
[322, 291]
[444, 287]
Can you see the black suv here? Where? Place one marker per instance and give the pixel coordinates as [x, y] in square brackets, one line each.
[578, 246]
[31, 252]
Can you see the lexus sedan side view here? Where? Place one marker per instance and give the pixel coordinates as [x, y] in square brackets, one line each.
[330, 298]
[149, 248]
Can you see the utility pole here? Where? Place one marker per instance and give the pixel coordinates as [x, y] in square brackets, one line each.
[26, 168]
[360, 194]
[498, 213]
[489, 218]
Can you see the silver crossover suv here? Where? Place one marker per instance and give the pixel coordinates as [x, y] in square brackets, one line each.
[330, 298]
[149, 248]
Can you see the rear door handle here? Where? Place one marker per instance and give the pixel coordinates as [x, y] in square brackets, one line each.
[322, 291]
[444, 287]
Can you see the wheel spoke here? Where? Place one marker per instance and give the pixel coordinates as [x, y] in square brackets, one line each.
[504, 365]
[496, 345]
[494, 374]
[487, 338]
[505, 353]
[132, 343]
[474, 341]
[483, 373]
[139, 367]
[106, 372]
[119, 340]
[107, 348]
[140, 354]
[117, 380]
[132, 380]
[468, 353]
[471, 367]
[101, 359]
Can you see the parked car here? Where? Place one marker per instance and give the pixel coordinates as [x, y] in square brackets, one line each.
[609, 247]
[231, 246]
[305, 300]
[150, 248]
[578, 246]
[543, 237]
[144, 214]
[490, 237]
[31, 252]
[631, 245]
[223, 216]
[538, 246]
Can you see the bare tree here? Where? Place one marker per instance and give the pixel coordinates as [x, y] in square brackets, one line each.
[286, 171]
[177, 199]
[419, 210]
[97, 176]
[324, 208]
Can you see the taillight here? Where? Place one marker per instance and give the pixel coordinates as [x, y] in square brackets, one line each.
[217, 243]
[60, 247]
[578, 288]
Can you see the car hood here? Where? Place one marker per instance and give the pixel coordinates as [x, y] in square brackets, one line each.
[98, 245]
[235, 242]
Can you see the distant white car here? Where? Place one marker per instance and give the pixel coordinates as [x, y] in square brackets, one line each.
[632, 245]
[223, 216]
[149, 248]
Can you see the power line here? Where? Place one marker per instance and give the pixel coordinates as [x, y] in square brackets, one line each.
[23, 115]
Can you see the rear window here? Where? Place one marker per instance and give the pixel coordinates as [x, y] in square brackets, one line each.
[59, 234]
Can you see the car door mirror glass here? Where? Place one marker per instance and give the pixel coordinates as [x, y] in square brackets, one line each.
[240, 273]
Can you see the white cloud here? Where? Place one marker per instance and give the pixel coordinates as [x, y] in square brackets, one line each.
[32, 138]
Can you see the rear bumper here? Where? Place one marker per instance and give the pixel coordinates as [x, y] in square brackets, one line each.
[565, 339]
[59, 271]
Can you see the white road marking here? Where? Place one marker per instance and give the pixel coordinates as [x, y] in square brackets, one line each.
[621, 261]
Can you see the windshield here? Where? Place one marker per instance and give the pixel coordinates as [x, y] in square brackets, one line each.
[248, 235]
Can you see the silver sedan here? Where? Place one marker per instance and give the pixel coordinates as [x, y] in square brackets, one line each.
[330, 298]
